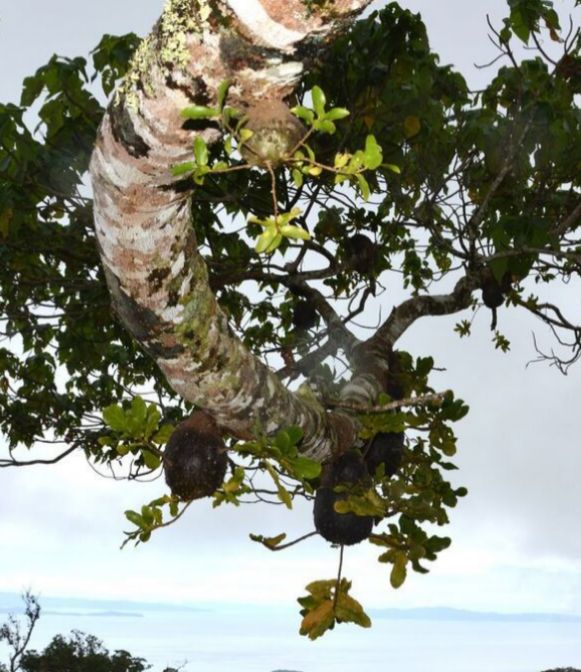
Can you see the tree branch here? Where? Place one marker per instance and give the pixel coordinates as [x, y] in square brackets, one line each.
[156, 276]
[434, 398]
[404, 315]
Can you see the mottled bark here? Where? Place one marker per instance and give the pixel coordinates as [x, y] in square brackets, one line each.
[404, 315]
[158, 280]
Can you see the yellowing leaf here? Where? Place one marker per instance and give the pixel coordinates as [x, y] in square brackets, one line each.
[282, 492]
[350, 610]
[268, 241]
[399, 571]
[318, 621]
[269, 542]
[411, 126]
[290, 231]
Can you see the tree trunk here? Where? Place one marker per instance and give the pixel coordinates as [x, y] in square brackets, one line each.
[157, 278]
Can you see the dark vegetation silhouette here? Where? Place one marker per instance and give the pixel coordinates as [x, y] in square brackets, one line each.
[76, 652]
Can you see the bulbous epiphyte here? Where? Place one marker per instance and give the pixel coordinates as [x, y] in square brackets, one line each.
[275, 133]
[195, 459]
[493, 290]
[361, 253]
[305, 315]
[385, 448]
[492, 295]
[341, 528]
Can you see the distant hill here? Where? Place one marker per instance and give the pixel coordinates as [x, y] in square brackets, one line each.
[12, 603]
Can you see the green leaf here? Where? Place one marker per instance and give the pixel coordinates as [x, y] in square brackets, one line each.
[114, 417]
[200, 151]
[199, 112]
[138, 412]
[151, 460]
[268, 241]
[297, 178]
[162, 435]
[283, 441]
[304, 113]
[363, 187]
[305, 468]
[152, 420]
[223, 92]
[283, 493]
[295, 232]
[325, 126]
[373, 155]
[183, 168]
[123, 449]
[319, 100]
[295, 433]
[392, 167]
[135, 518]
[337, 113]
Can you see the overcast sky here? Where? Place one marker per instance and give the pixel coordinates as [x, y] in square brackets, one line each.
[516, 542]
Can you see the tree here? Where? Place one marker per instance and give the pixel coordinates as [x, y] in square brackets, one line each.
[16, 636]
[386, 167]
[77, 653]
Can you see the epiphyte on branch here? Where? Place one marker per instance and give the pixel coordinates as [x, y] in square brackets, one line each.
[195, 458]
[362, 256]
[385, 448]
[494, 291]
[341, 528]
[305, 315]
[275, 133]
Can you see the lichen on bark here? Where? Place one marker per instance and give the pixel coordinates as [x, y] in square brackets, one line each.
[166, 48]
[157, 277]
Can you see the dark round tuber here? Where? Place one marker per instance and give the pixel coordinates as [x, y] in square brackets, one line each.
[341, 528]
[305, 315]
[492, 295]
[195, 459]
[386, 448]
[361, 253]
[494, 290]
[275, 133]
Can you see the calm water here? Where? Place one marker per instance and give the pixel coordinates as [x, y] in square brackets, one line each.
[231, 640]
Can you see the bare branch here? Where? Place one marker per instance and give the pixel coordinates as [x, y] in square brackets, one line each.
[26, 463]
[435, 398]
[404, 315]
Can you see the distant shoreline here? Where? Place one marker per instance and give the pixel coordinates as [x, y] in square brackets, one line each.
[87, 607]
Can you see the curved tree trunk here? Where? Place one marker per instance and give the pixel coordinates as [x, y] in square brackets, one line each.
[157, 278]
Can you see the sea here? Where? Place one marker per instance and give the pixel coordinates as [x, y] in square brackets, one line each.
[256, 639]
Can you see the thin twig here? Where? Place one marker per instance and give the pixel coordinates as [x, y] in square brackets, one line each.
[282, 547]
